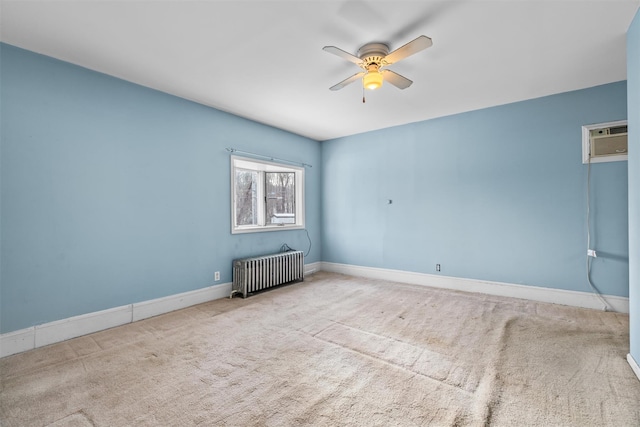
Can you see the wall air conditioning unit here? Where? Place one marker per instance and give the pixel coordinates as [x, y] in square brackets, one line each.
[604, 142]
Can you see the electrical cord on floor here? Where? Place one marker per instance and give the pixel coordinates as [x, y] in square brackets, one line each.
[595, 290]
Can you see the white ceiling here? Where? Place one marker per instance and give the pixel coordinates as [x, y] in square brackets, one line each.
[264, 60]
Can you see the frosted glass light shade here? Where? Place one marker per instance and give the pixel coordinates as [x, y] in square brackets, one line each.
[372, 80]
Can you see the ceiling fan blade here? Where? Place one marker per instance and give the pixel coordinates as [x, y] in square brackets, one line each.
[396, 79]
[347, 81]
[342, 54]
[414, 46]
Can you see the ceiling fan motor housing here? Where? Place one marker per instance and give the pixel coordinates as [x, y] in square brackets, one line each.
[373, 53]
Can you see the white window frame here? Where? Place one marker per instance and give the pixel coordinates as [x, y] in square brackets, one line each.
[261, 167]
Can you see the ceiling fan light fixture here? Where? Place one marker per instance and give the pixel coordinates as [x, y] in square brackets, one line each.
[373, 56]
[373, 79]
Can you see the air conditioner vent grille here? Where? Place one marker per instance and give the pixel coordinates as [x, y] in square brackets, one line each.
[618, 129]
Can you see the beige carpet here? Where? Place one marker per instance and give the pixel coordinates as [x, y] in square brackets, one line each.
[333, 351]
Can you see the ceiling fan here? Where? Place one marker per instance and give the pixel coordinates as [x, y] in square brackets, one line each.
[373, 57]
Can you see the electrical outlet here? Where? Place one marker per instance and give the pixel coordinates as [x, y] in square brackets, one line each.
[217, 276]
[437, 267]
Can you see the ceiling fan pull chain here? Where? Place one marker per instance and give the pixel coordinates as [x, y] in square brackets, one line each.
[363, 101]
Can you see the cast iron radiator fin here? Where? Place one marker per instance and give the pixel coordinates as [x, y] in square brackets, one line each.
[259, 273]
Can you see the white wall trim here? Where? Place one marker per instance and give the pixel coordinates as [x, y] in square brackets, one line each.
[312, 268]
[155, 307]
[72, 327]
[634, 365]
[535, 293]
[17, 341]
[76, 326]
[61, 330]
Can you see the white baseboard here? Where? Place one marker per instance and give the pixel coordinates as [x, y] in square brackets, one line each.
[634, 365]
[155, 307]
[312, 268]
[535, 293]
[61, 330]
[72, 327]
[17, 341]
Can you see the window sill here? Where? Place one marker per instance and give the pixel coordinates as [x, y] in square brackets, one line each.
[259, 228]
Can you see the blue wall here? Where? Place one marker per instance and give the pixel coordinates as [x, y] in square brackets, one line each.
[496, 194]
[113, 193]
[633, 75]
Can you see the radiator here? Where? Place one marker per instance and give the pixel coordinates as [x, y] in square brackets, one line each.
[259, 273]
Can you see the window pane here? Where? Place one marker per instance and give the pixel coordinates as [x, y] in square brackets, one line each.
[246, 197]
[281, 196]
[266, 196]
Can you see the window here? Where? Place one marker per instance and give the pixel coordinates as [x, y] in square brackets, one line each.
[265, 196]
